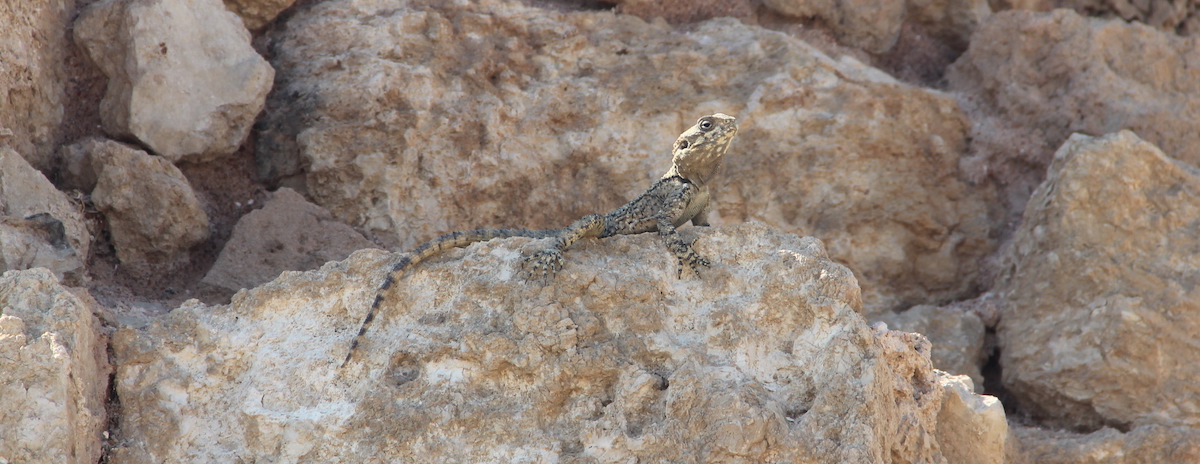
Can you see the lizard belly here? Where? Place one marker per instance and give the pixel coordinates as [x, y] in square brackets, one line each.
[697, 204]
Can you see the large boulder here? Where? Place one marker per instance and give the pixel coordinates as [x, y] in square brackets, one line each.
[438, 117]
[33, 76]
[1100, 293]
[763, 357]
[182, 76]
[1032, 79]
[54, 372]
[39, 226]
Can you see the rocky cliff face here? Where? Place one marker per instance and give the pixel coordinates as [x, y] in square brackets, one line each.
[989, 189]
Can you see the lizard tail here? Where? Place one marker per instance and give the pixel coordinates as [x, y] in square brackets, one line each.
[451, 240]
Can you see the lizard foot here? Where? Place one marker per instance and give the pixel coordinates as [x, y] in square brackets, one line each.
[543, 264]
[686, 255]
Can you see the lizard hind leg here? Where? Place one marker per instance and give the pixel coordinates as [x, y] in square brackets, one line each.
[545, 264]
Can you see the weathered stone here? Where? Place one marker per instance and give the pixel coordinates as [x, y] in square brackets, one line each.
[686, 11]
[256, 14]
[872, 25]
[287, 234]
[951, 21]
[971, 428]
[762, 359]
[33, 41]
[1032, 79]
[182, 77]
[1100, 291]
[53, 372]
[1149, 444]
[153, 215]
[1178, 16]
[38, 224]
[957, 336]
[559, 115]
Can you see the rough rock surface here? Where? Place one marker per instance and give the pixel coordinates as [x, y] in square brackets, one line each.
[951, 21]
[256, 14]
[1101, 295]
[763, 358]
[287, 234]
[1179, 16]
[873, 25]
[153, 215]
[411, 120]
[972, 429]
[53, 372]
[1150, 444]
[686, 11]
[39, 227]
[33, 40]
[1032, 79]
[956, 334]
[182, 77]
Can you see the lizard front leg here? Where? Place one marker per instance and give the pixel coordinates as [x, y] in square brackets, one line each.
[546, 263]
[675, 206]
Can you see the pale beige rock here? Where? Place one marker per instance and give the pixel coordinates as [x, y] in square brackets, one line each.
[182, 77]
[957, 336]
[39, 226]
[256, 14]
[53, 372]
[1032, 79]
[33, 42]
[971, 428]
[153, 215]
[1149, 444]
[575, 113]
[1100, 294]
[1178, 16]
[873, 25]
[764, 359]
[287, 234]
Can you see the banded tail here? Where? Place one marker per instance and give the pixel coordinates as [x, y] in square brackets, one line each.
[451, 240]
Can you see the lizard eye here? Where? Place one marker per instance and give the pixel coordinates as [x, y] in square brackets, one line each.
[706, 124]
[683, 144]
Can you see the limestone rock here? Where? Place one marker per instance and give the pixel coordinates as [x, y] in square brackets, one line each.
[182, 77]
[763, 358]
[256, 14]
[872, 25]
[957, 336]
[1178, 16]
[686, 11]
[1035, 78]
[153, 214]
[1100, 291]
[951, 21]
[1149, 444]
[39, 227]
[559, 115]
[287, 234]
[53, 372]
[33, 76]
[971, 428]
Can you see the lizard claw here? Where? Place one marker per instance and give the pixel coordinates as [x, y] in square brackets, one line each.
[693, 260]
[547, 263]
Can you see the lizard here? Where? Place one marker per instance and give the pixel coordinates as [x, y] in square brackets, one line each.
[679, 196]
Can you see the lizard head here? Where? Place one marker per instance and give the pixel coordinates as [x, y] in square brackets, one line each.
[699, 150]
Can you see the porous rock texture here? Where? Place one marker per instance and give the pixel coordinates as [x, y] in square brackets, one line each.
[1179, 16]
[33, 42]
[256, 14]
[287, 234]
[412, 119]
[54, 372]
[1100, 291]
[873, 25]
[182, 77]
[153, 215]
[764, 358]
[956, 333]
[39, 226]
[1031, 79]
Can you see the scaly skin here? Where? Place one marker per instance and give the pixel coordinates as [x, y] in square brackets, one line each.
[681, 195]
